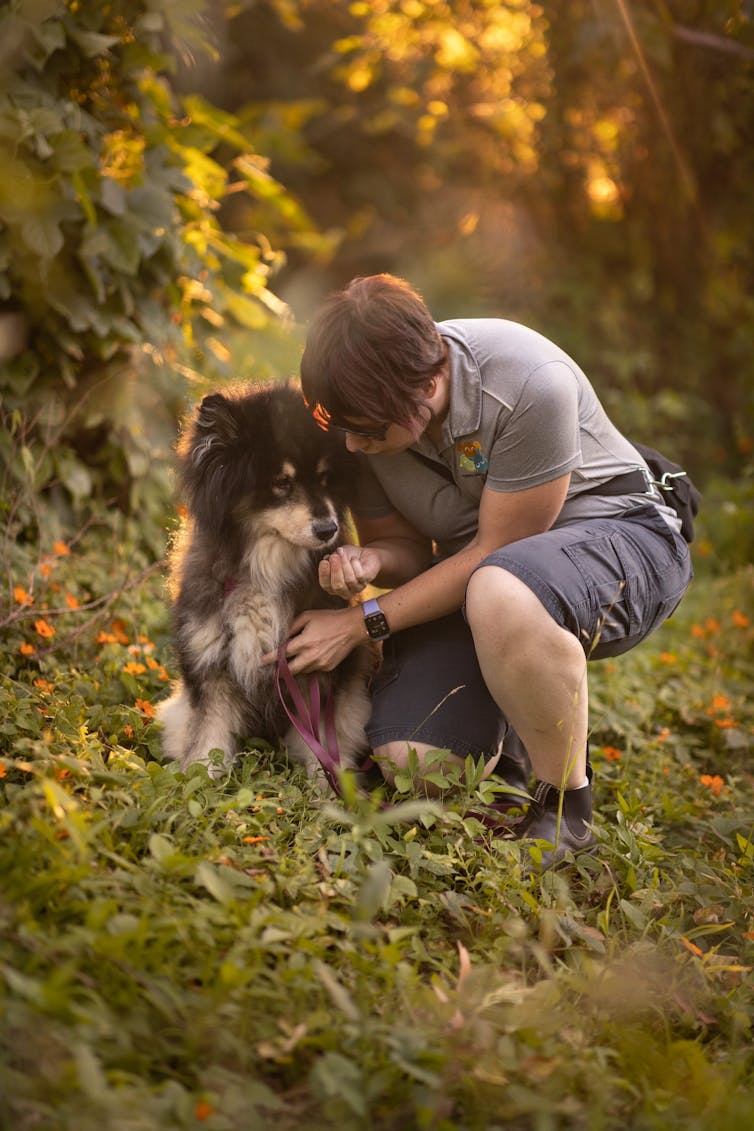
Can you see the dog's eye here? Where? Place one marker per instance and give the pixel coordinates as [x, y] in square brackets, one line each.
[282, 485]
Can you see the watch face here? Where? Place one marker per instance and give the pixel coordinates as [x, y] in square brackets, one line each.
[377, 626]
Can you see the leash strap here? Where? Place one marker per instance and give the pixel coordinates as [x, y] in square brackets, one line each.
[306, 717]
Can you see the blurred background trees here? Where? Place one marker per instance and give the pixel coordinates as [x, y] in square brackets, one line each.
[181, 183]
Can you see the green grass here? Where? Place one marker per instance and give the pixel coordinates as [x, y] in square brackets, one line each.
[247, 954]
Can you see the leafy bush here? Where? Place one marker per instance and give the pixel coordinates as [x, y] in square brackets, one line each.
[118, 284]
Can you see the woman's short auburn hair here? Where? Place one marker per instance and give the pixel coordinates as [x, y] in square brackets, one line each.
[370, 351]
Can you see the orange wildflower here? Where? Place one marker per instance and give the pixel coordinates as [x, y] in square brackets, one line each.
[739, 619]
[145, 707]
[61, 549]
[21, 597]
[71, 601]
[726, 723]
[692, 947]
[153, 664]
[254, 839]
[203, 1110]
[664, 735]
[279, 810]
[119, 627]
[128, 730]
[713, 782]
[712, 625]
[132, 668]
[44, 685]
[719, 703]
[747, 934]
[3, 771]
[27, 649]
[105, 638]
[611, 753]
[668, 658]
[44, 628]
[697, 631]
[45, 569]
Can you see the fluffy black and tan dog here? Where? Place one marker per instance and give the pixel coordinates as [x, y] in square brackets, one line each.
[265, 491]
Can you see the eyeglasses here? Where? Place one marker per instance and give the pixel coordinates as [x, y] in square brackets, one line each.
[377, 433]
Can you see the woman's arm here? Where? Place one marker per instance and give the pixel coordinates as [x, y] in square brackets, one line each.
[504, 517]
[323, 638]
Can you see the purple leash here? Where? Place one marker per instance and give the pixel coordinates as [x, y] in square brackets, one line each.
[306, 718]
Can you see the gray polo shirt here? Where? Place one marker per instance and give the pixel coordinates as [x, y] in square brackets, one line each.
[521, 413]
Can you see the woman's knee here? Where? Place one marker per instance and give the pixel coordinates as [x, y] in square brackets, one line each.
[496, 597]
[504, 614]
[394, 757]
[391, 757]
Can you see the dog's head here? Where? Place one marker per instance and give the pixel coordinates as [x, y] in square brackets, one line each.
[254, 462]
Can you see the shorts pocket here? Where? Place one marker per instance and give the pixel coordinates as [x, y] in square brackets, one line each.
[610, 584]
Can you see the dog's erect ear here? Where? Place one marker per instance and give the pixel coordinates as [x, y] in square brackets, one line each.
[214, 427]
[215, 414]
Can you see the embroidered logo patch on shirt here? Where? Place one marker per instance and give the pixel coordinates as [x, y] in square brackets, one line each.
[472, 459]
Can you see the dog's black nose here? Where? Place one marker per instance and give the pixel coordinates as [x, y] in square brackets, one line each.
[325, 529]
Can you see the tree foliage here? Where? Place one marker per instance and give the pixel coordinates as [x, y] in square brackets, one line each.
[583, 167]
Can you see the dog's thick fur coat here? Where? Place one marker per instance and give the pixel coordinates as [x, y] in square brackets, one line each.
[265, 490]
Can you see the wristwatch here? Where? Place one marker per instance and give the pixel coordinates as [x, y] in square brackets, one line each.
[375, 620]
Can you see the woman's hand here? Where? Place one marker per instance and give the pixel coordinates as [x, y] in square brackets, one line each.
[320, 639]
[348, 570]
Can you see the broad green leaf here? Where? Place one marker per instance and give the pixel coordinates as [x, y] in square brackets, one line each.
[42, 235]
[210, 877]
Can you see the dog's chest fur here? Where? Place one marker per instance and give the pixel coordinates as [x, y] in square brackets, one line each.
[251, 607]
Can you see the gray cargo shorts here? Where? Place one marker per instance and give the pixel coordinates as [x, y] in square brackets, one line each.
[609, 581]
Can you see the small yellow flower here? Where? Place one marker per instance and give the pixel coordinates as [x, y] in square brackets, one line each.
[132, 668]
